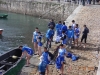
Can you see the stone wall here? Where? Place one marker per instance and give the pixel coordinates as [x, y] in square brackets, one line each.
[57, 11]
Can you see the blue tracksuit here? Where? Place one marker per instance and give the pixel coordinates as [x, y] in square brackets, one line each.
[49, 33]
[70, 33]
[45, 57]
[64, 28]
[58, 28]
[28, 50]
[42, 66]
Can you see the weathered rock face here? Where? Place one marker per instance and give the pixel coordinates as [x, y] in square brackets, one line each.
[58, 11]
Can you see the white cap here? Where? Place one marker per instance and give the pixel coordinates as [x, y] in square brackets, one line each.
[1, 29]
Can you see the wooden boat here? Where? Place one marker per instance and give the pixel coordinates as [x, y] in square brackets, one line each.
[8, 63]
[3, 16]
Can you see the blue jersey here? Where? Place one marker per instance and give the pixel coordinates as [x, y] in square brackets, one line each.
[58, 62]
[58, 29]
[46, 57]
[39, 38]
[58, 26]
[62, 52]
[49, 33]
[70, 33]
[35, 34]
[64, 28]
[42, 66]
[64, 39]
[28, 50]
[77, 30]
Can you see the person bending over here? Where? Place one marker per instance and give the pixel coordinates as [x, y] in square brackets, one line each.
[26, 51]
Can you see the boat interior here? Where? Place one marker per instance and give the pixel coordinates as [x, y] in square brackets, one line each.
[7, 61]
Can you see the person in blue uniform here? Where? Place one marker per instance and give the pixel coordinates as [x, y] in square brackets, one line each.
[39, 39]
[64, 38]
[46, 58]
[70, 34]
[58, 28]
[49, 35]
[34, 40]
[61, 58]
[26, 51]
[42, 66]
[76, 34]
[64, 27]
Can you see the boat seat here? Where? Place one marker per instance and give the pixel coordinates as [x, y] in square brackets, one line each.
[6, 63]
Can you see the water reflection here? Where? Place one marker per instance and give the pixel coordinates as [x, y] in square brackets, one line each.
[18, 30]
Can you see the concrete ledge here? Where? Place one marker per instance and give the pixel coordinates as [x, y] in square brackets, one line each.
[76, 11]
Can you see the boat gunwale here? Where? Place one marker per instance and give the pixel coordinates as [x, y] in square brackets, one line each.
[14, 65]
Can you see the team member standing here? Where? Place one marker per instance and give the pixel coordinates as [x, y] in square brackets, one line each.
[51, 24]
[34, 39]
[84, 36]
[76, 34]
[73, 27]
[46, 58]
[39, 39]
[64, 38]
[64, 27]
[26, 51]
[49, 35]
[61, 58]
[70, 34]
[58, 28]
[42, 66]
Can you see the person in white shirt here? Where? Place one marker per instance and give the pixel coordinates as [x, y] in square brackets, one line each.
[73, 28]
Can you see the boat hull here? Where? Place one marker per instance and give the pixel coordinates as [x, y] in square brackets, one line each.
[4, 16]
[8, 64]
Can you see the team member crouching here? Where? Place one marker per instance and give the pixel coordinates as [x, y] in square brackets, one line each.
[39, 39]
[28, 52]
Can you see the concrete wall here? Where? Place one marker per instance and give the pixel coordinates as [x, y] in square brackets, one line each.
[57, 11]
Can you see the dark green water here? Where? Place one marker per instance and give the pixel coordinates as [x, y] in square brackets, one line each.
[18, 30]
